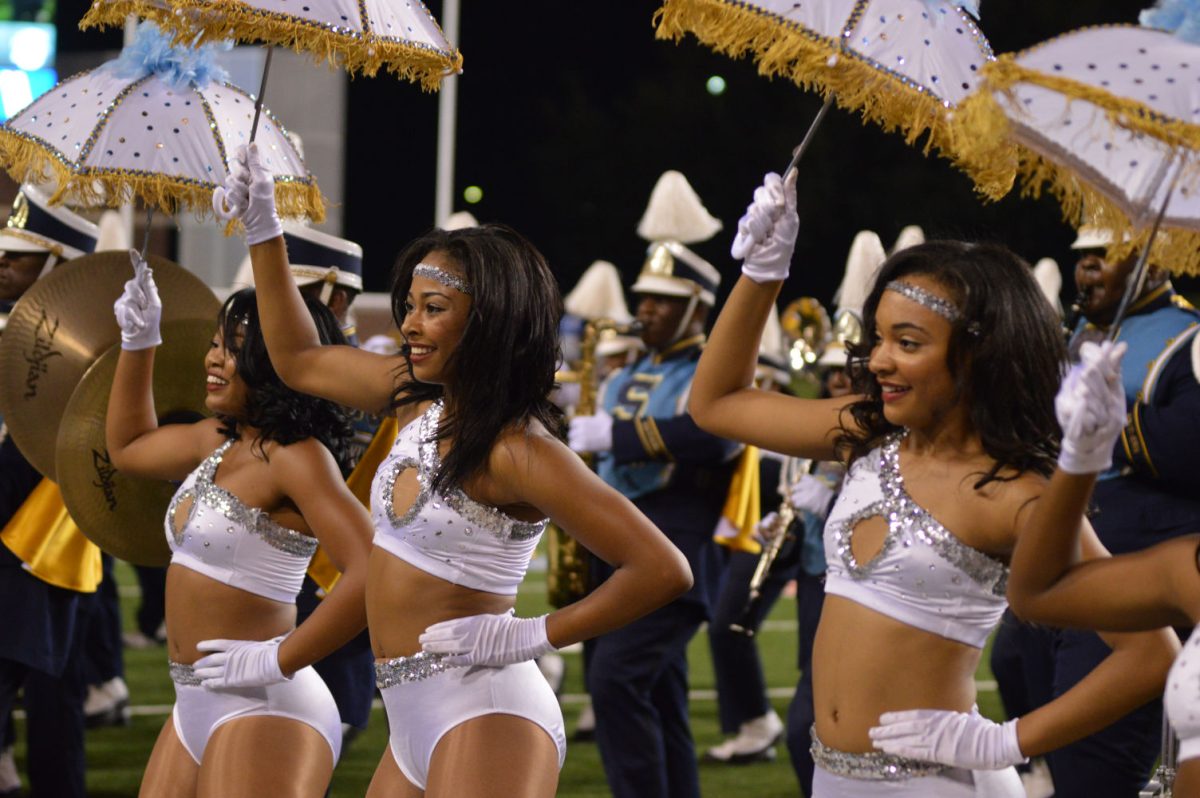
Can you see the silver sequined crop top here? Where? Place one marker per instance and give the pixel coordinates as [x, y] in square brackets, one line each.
[234, 544]
[450, 536]
[923, 575]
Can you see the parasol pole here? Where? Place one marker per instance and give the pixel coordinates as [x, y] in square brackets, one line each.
[1137, 280]
[808, 136]
[262, 90]
[146, 236]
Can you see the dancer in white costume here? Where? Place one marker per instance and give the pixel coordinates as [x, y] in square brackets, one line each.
[261, 486]
[462, 499]
[949, 439]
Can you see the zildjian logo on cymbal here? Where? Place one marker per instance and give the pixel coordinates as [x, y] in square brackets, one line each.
[42, 350]
[104, 477]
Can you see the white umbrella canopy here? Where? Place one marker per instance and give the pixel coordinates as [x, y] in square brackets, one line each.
[159, 124]
[903, 64]
[1108, 121]
[358, 35]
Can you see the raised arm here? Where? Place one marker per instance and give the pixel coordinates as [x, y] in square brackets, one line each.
[136, 444]
[343, 374]
[1050, 581]
[538, 471]
[723, 398]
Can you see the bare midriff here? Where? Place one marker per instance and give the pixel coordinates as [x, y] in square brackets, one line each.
[865, 663]
[201, 608]
[402, 600]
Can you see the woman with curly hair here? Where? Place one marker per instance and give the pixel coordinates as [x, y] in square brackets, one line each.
[261, 486]
[949, 438]
[459, 504]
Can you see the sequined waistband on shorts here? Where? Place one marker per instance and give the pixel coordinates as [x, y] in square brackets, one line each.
[872, 766]
[184, 674]
[421, 665]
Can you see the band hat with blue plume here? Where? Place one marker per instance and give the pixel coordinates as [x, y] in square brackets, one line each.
[862, 264]
[34, 225]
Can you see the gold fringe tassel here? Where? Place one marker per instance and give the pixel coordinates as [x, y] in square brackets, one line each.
[22, 157]
[803, 57]
[984, 122]
[229, 19]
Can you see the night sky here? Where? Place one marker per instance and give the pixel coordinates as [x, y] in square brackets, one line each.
[569, 111]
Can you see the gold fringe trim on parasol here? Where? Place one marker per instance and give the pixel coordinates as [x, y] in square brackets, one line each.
[23, 157]
[217, 20]
[982, 121]
[817, 63]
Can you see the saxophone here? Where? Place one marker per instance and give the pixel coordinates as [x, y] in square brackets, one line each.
[568, 563]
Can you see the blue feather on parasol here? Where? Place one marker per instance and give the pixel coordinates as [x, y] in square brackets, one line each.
[152, 52]
[1181, 17]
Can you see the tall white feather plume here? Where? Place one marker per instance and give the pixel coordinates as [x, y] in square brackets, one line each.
[113, 234]
[862, 264]
[910, 236]
[1049, 279]
[675, 213]
[771, 343]
[598, 295]
[460, 220]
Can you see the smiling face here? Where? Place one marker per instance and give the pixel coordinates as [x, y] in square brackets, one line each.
[909, 358]
[435, 319]
[227, 391]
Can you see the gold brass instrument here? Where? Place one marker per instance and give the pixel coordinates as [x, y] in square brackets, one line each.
[807, 329]
[567, 567]
[774, 539]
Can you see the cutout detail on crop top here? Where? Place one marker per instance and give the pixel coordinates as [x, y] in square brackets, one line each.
[922, 575]
[438, 532]
[222, 538]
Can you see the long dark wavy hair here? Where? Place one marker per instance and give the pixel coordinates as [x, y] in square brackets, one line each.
[504, 364]
[1006, 355]
[279, 413]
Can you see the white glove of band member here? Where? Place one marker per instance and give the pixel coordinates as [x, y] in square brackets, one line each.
[138, 309]
[810, 493]
[590, 433]
[766, 235]
[766, 528]
[959, 739]
[488, 639]
[1090, 407]
[239, 663]
[249, 195]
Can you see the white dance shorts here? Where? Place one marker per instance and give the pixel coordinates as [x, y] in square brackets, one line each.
[425, 698]
[199, 712]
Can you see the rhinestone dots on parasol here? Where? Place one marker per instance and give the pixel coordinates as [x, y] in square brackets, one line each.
[1107, 120]
[159, 124]
[903, 64]
[399, 35]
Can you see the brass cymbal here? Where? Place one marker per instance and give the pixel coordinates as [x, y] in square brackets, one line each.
[58, 329]
[123, 515]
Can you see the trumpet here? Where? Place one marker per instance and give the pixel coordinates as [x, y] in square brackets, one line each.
[567, 565]
[774, 538]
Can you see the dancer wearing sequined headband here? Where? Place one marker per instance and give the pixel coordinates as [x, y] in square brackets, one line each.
[261, 486]
[462, 500]
[949, 440]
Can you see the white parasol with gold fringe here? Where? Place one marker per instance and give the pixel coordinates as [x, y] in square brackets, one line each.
[158, 124]
[903, 64]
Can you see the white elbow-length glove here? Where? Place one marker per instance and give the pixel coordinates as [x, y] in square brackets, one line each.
[590, 433]
[766, 234]
[488, 639]
[249, 196]
[139, 309]
[1090, 407]
[239, 663]
[959, 739]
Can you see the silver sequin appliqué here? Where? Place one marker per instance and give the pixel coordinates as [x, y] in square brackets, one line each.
[907, 520]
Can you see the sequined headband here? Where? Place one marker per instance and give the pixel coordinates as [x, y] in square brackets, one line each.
[442, 276]
[943, 307]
